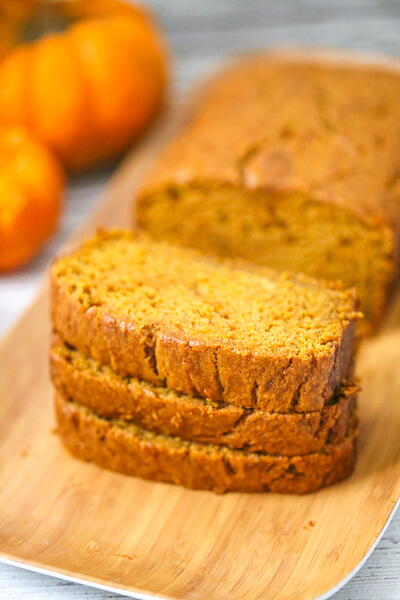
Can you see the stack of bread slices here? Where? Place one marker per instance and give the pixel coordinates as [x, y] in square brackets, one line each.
[206, 372]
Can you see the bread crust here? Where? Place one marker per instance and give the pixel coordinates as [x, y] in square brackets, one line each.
[132, 451]
[165, 412]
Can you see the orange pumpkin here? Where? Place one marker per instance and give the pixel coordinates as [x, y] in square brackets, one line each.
[88, 88]
[31, 185]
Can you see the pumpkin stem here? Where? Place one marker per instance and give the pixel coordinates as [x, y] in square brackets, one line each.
[46, 20]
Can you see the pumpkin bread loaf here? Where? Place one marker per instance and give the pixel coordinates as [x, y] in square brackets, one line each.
[289, 163]
[126, 448]
[169, 413]
[230, 332]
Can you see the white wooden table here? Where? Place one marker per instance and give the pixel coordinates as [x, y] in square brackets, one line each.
[201, 33]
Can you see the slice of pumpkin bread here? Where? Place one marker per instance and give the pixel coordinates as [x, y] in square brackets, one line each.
[123, 447]
[170, 413]
[203, 326]
[290, 162]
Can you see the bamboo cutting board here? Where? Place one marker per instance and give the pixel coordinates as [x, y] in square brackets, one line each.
[149, 540]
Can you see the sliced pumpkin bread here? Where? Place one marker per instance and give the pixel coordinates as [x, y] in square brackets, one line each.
[231, 332]
[170, 413]
[123, 447]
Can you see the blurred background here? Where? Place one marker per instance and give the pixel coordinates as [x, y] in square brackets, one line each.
[200, 34]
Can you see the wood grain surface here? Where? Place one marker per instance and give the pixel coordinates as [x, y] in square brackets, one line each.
[73, 518]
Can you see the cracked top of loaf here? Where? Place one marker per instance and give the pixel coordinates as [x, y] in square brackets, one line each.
[327, 128]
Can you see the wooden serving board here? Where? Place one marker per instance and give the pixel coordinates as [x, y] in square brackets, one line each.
[74, 520]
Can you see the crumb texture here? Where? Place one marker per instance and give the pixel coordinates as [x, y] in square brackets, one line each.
[220, 329]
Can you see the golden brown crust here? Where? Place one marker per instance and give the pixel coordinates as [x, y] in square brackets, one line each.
[296, 379]
[133, 451]
[329, 129]
[165, 412]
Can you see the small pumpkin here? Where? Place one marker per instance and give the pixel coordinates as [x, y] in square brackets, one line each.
[85, 77]
[31, 185]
